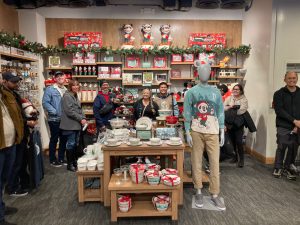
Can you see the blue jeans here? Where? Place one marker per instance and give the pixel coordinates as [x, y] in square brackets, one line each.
[71, 139]
[55, 133]
[7, 159]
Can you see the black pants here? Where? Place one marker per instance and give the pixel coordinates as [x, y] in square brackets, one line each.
[236, 137]
[19, 176]
[287, 142]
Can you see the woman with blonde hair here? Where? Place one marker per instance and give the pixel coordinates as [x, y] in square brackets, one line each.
[145, 106]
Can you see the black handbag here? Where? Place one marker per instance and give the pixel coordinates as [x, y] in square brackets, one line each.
[107, 108]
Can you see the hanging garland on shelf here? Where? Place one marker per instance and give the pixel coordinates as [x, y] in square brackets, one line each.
[18, 41]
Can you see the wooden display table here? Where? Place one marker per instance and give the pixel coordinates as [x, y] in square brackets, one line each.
[142, 150]
[89, 194]
[142, 207]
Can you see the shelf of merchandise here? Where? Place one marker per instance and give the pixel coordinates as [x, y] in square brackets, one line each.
[142, 208]
[230, 77]
[19, 57]
[84, 76]
[182, 78]
[108, 79]
[182, 63]
[213, 81]
[140, 84]
[59, 68]
[146, 69]
[84, 64]
[109, 63]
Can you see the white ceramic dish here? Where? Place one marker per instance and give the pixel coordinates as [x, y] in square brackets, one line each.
[138, 144]
[168, 142]
[144, 121]
[154, 144]
[114, 145]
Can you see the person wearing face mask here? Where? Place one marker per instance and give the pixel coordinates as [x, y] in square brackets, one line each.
[164, 100]
[103, 107]
[72, 120]
[145, 106]
[237, 103]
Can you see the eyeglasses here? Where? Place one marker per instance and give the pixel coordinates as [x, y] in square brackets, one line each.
[236, 89]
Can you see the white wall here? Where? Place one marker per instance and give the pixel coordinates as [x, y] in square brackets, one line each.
[257, 31]
[32, 26]
[286, 49]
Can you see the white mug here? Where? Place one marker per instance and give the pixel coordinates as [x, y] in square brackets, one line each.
[89, 150]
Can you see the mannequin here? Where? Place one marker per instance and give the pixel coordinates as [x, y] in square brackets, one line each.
[204, 125]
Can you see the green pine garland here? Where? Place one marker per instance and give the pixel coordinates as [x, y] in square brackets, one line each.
[18, 41]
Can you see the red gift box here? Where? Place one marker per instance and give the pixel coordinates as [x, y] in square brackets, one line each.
[83, 39]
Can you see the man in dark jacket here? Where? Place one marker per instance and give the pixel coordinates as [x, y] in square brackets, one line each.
[10, 119]
[104, 97]
[287, 108]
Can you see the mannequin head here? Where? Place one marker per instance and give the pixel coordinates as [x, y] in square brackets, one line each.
[203, 71]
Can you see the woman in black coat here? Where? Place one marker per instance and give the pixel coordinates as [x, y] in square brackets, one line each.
[145, 106]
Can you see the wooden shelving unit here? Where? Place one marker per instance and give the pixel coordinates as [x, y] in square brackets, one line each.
[142, 208]
[182, 63]
[146, 69]
[20, 57]
[109, 63]
[213, 81]
[84, 76]
[109, 79]
[132, 84]
[230, 77]
[182, 78]
[59, 68]
[84, 64]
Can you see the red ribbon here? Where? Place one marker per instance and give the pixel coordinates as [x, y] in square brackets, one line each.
[170, 179]
[171, 171]
[125, 198]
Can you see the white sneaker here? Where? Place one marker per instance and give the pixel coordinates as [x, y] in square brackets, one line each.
[218, 203]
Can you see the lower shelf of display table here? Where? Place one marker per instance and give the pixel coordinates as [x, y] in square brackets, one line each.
[131, 187]
[144, 208]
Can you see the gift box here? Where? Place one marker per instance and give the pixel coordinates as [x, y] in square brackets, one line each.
[83, 39]
[90, 57]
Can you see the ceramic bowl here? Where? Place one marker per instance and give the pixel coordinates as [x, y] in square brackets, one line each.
[175, 140]
[155, 140]
[134, 141]
[111, 141]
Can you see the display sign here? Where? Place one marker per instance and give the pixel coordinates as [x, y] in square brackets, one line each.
[83, 39]
[208, 40]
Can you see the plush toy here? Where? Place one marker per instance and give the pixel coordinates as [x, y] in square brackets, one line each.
[128, 38]
[30, 111]
[224, 62]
